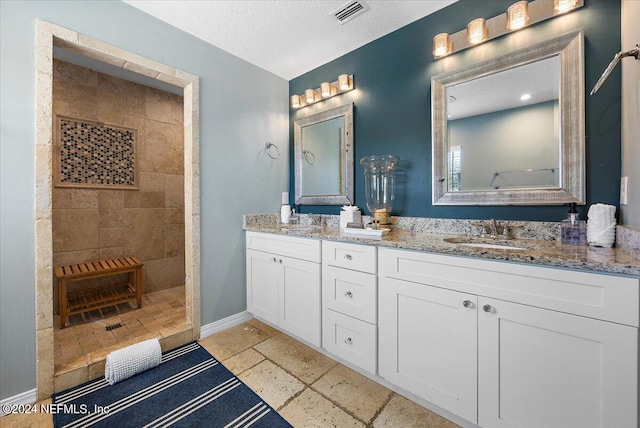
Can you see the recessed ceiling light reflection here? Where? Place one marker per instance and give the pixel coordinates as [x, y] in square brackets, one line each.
[525, 97]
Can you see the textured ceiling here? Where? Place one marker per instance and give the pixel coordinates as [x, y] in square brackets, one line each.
[287, 38]
[502, 91]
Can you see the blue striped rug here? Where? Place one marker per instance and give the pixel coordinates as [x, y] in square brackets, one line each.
[189, 388]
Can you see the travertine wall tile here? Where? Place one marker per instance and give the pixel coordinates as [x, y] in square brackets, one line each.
[174, 191]
[147, 222]
[162, 150]
[163, 107]
[151, 182]
[112, 252]
[174, 240]
[44, 362]
[162, 274]
[144, 199]
[84, 198]
[110, 108]
[144, 233]
[75, 229]
[112, 237]
[70, 257]
[61, 197]
[174, 216]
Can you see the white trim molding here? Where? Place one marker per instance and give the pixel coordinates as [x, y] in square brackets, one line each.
[27, 397]
[225, 323]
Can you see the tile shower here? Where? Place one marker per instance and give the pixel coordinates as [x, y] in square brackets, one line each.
[100, 223]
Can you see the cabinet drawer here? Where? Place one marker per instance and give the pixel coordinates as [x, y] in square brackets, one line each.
[299, 248]
[349, 256]
[350, 292]
[350, 339]
[605, 297]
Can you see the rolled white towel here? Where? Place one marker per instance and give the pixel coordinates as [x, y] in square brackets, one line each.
[131, 360]
[601, 227]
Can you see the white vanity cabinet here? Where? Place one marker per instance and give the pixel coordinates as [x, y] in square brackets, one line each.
[283, 283]
[428, 344]
[510, 345]
[541, 368]
[349, 302]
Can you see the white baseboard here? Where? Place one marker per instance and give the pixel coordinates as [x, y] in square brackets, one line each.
[27, 397]
[225, 323]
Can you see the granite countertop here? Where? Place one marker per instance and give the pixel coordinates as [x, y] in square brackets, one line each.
[544, 252]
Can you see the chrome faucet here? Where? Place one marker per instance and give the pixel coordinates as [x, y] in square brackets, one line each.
[492, 227]
[316, 219]
[494, 230]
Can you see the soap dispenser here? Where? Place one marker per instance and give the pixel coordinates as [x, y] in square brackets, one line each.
[573, 230]
[285, 210]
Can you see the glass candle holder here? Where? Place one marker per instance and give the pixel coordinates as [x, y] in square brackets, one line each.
[379, 181]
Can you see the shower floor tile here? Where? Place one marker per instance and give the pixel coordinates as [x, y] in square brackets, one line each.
[162, 313]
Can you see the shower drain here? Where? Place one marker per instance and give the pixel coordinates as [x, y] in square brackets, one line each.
[113, 327]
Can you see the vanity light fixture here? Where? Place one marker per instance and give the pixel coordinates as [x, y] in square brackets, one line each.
[344, 82]
[297, 101]
[562, 6]
[326, 90]
[477, 31]
[442, 46]
[525, 97]
[310, 96]
[517, 16]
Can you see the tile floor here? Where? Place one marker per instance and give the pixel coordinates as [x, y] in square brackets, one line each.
[309, 389]
[305, 387]
[86, 339]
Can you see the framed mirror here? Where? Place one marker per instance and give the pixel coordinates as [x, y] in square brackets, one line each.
[323, 152]
[510, 130]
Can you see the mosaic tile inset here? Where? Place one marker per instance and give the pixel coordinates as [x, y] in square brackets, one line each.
[96, 154]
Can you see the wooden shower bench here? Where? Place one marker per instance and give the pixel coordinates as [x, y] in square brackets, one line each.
[100, 297]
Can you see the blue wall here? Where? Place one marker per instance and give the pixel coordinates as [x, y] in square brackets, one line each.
[393, 103]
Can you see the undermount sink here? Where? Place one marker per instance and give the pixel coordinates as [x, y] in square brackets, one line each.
[483, 243]
[307, 228]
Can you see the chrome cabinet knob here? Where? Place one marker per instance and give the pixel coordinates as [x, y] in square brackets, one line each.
[348, 256]
[348, 294]
[348, 341]
[273, 259]
[467, 304]
[487, 308]
[280, 261]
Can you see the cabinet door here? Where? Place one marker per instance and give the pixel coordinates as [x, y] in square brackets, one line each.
[299, 290]
[262, 285]
[541, 368]
[428, 343]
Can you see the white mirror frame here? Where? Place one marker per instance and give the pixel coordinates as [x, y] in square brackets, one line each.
[346, 196]
[569, 47]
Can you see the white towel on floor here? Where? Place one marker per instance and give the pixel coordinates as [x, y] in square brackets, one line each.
[131, 360]
[601, 227]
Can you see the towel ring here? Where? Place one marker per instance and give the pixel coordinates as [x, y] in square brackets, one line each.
[268, 146]
[309, 157]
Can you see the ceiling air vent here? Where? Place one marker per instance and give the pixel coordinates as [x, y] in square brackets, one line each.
[350, 10]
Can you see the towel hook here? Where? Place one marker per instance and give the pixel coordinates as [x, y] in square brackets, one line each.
[272, 155]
